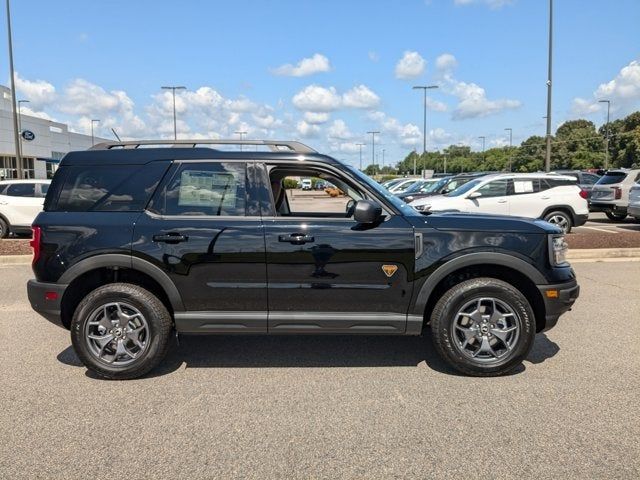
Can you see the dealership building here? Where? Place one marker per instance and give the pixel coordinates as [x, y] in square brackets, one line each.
[43, 143]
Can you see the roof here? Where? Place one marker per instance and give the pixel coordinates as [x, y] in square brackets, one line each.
[556, 176]
[144, 151]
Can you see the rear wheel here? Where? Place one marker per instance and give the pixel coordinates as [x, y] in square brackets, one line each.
[483, 327]
[617, 217]
[560, 219]
[120, 331]
[4, 228]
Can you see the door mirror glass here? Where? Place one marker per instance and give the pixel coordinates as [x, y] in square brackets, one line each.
[473, 195]
[367, 211]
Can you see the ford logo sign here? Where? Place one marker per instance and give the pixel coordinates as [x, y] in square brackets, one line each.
[28, 135]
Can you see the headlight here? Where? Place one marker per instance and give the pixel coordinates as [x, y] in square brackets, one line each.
[558, 250]
[423, 208]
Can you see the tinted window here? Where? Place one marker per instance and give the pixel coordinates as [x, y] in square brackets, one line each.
[44, 188]
[464, 188]
[612, 177]
[22, 190]
[210, 189]
[497, 188]
[125, 188]
[589, 179]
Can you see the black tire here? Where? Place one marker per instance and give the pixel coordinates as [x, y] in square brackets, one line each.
[566, 224]
[616, 217]
[4, 228]
[445, 313]
[159, 329]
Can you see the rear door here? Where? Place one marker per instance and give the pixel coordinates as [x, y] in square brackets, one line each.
[22, 203]
[203, 229]
[327, 273]
[525, 198]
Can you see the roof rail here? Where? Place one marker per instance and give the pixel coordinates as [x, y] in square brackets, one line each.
[273, 145]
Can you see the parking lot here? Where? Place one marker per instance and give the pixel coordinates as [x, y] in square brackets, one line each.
[329, 407]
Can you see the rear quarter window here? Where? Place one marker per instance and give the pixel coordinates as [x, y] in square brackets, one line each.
[610, 178]
[21, 190]
[105, 188]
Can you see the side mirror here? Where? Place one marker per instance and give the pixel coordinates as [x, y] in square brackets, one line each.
[367, 211]
[473, 195]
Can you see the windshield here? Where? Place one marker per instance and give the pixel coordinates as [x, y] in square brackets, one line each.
[610, 178]
[382, 192]
[422, 186]
[461, 190]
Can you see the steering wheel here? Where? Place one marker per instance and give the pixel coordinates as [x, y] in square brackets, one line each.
[351, 207]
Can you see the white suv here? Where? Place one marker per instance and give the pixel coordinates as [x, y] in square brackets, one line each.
[20, 203]
[554, 198]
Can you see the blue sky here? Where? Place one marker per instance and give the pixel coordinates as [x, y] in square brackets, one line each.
[78, 60]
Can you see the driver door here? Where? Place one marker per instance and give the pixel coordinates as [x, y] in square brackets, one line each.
[493, 198]
[324, 270]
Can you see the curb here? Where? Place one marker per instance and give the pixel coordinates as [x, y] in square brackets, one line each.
[602, 253]
[15, 259]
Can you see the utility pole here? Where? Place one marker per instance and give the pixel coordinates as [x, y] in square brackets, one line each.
[547, 162]
[373, 148]
[424, 88]
[483, 138]
[92, 137]
[20, 102]
[606, 148]
[173, 90]
[510, 130]
[16, 136]
[383, 150]
[241, 135]
[361, 145]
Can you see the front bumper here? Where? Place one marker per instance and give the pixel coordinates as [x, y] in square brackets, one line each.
[46, 299]
[558, 299]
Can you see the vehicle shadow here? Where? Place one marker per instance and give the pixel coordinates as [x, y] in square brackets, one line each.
[310, 352]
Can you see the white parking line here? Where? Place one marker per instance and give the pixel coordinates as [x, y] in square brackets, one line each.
[599, 229]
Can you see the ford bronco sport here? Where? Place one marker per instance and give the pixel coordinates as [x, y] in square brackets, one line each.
[138, 240]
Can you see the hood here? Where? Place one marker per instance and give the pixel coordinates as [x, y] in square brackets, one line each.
[480, 222]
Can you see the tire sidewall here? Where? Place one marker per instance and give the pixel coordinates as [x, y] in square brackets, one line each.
[513, 298]
[4, 228]
[565, 215]
[108, 294]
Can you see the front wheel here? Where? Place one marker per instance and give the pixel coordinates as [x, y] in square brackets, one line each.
[120, 331]
[616, 217]
[483, 327]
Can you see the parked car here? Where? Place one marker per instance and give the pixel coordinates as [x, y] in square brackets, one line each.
[634, 201]
[445, 185]
[20, 202]
[306, 184]
[554, 198]
[389, 183]
[611, 194]
[403, 185]
[418, 188]
[585, 180]
[136, 244]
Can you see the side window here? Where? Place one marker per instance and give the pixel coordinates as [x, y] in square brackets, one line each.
[44, 188]
[330, 196]
[525, 185]
[206, 189]
[496, 188]
[589, 179]
[22, 190]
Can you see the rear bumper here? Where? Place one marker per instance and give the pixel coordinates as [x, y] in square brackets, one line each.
[634, 211]
[41, 296]
[558, 303]
[607, 207]
[579, 220]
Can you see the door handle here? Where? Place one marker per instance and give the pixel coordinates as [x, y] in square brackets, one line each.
[170, 238]
[502, 201]
[545, 198]
[296, 238]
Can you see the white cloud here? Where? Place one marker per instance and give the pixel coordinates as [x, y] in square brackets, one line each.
[446, 62]
[494, 4]
[315, 98]
[307, 66]
[39, 92]
[411, 65]
[623, 92]
[360, 97]
[316, 117]
[307, 130]
[406, 134]
[339, 130]
[435, 105]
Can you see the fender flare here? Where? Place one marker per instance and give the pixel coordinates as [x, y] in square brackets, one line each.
[467, 260]
[126, 261]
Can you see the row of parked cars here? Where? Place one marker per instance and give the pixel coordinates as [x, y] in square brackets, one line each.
[564, 198]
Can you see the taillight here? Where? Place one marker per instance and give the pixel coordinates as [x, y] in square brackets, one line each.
[583, 193]
[36, 237]
[617, 192]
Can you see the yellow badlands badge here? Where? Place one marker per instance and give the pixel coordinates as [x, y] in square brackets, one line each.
[389, 270]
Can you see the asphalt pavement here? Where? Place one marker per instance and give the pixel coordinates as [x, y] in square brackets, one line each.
[329, 407]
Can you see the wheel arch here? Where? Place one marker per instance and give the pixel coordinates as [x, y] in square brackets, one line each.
[513, 270]
[562, 208]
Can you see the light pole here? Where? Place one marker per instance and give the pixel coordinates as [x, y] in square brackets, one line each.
[483, 138]
[383, 150]
[547, 162]
[16, 137]
[606, 148]
[173, 90]
[424, 88]
[241, 135]
[93, 121]
[20, 102]
[510, 130]
[361, 145]
[373, 148]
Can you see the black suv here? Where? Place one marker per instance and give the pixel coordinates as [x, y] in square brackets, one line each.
[135, 243]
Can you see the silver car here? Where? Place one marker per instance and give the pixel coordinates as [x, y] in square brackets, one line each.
[634, 201]
[611, 194]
